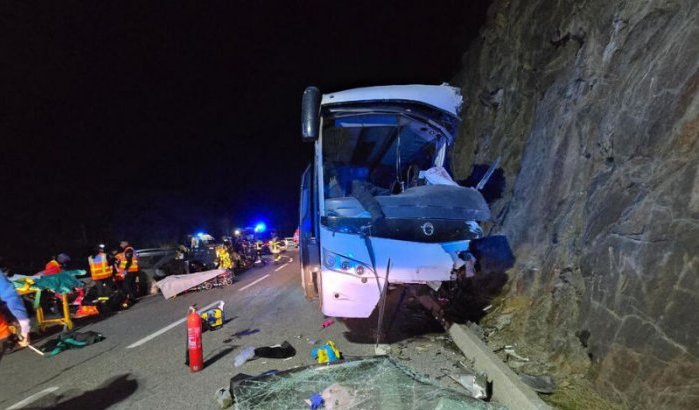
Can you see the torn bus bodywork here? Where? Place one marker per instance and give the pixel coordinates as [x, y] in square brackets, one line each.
[378, 195]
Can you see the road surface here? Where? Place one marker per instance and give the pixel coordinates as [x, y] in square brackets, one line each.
[140, 364]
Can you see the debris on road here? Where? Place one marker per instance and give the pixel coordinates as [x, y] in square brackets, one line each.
[540, 384]
[510, 352]
[70, 340]
[476, 385]
[339, 397]
[316, 401]
[326, 353]
[246, 332]
[375, 382]
[475, 328]
[503, 321]
[223, 398]
[246, 354]
[382, 349]
[282, 351]
[327, 323]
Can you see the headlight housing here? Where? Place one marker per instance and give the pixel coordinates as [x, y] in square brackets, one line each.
[345, 264]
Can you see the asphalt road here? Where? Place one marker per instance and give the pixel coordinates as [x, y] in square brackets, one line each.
[115, 374]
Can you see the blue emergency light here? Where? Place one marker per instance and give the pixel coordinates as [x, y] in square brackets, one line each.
[260, 227]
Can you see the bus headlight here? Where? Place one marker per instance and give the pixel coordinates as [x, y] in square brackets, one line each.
[343, 264]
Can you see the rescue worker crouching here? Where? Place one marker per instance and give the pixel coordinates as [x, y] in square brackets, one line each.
[128, 272]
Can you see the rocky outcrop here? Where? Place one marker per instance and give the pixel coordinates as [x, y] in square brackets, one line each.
[594, 108]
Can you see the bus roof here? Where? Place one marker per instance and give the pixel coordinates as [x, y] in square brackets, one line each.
[443, 97]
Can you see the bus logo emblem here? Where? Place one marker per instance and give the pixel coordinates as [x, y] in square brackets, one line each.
[427, 228]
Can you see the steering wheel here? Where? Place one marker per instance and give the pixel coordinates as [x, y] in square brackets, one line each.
[412, 175]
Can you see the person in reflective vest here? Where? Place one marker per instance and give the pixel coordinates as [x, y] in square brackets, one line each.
[53, 267]
[258, 252]
[128, 270]
[223, 257]
[101, 271]
[275, 248]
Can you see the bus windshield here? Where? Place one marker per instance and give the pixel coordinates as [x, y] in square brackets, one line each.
[373, 149]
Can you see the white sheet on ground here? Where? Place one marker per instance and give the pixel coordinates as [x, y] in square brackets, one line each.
[176, 284]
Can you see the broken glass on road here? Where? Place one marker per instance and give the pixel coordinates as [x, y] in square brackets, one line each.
[367, 383]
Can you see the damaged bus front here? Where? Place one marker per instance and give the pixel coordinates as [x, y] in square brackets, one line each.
[378, 206]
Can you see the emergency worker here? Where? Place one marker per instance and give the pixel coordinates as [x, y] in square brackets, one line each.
[11, 310]
[223, 255]
[64, 260]
[101, 271]
[259, 246]
[275, 248]
[53, 267]
[128, 269]
[113, 262]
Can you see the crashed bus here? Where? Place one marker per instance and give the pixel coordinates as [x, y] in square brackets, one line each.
[378, 206]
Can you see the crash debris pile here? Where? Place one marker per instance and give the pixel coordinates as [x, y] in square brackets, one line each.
[374, 383]
[424, 372]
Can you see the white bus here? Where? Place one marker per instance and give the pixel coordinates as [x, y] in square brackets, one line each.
[378, 190]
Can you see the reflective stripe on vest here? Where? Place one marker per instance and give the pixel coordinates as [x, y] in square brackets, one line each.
[99, 269]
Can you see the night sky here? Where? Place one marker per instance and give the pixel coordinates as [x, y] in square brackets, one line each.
[147, 121]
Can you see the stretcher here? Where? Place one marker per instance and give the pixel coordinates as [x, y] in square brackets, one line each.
[60, 285]
[41, 320]
[175, 284]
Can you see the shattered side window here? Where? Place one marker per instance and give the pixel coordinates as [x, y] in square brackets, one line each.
[372, 383]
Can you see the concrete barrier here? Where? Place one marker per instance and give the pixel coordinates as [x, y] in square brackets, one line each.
[508, 389]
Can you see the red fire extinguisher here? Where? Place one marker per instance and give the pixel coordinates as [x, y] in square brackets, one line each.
[194, 347]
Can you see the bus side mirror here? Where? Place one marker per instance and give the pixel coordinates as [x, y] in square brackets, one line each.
[310, 114]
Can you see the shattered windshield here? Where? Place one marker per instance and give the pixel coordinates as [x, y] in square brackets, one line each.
[374, 149]
[372, 383]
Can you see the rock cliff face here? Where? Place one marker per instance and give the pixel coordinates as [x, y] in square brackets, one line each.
[594, 107]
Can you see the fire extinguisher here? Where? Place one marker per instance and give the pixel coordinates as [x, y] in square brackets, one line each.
[194, 347]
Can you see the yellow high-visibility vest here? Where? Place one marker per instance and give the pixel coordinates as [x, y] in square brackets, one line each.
[99, 268]
[121, 256]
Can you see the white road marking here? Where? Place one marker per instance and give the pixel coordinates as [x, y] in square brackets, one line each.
[281, 267]
[253, 283]
[168, 327]
[32, 398]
